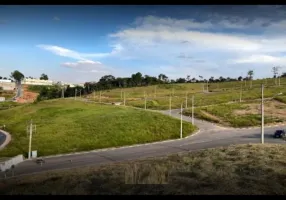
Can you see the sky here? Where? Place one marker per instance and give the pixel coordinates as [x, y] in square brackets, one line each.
[77, 44]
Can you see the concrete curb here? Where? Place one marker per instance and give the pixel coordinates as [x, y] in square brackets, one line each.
[7, 140]
[123, 147]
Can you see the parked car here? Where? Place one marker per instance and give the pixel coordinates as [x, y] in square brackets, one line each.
[279, 134]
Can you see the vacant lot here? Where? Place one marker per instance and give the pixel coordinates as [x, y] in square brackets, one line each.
[158, 97]
[242, 114]
[241, 169]
[69, 126]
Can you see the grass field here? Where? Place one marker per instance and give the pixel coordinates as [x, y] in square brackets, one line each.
[70, 126]
[241, 114]
[7, 105]
[158, 97]
[242, 169]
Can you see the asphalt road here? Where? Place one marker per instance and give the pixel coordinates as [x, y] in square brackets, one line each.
[2, 138]
[210, 136]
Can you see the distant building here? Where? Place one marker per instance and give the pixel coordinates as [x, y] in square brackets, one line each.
[5, 81]
[28, 81]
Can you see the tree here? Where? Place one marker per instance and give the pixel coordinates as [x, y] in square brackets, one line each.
[283, 74]
[44, 77]
[250, 76]
[275, 71]
[0, 77]
[239, 78]
[5, 78]
[188, 78]
[17, 76]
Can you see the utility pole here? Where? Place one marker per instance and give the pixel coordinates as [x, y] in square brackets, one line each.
[99, 96]
[193, 103]
[207, 86]
[75, 94]
[240, 96]
[30, 140]
[124, 98]
[181, 131]
[203, 86]
[155, 90]
[63, 93]
[170, 104]
[145, 101]
[262, 115]
[186, 100]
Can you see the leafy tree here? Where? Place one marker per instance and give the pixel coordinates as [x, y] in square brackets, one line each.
[44, 77]
[0, 77]
[17, 76]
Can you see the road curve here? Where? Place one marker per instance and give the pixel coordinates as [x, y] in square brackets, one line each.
[5, 138]
[210, 136]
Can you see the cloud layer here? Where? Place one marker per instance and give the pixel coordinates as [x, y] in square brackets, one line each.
[221, 44]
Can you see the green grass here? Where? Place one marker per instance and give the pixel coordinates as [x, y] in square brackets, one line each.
[227, 92]
[8, 104]
[7, 94]
[236, 170]
[65, 126]
[282, 99]
[225, 115]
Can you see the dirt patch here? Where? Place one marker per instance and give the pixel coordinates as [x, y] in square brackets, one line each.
[215, 118]
[272, 108]
[28, 96]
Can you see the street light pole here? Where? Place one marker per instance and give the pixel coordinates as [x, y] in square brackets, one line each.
[193, 102]
[145, 103]
[30, 140]
[262, 115]
[170, 104]
[181, 131]
[240, 96]
[186, 100]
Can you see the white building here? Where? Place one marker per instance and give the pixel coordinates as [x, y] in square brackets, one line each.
[28, 81]
[5, 81]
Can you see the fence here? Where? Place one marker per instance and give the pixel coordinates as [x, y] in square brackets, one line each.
[10, 162]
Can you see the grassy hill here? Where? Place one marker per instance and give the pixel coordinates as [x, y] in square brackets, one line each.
[242, 169]
[158, 97]
[64, 126]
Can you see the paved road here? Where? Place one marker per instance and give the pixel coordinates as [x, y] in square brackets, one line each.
[2, 138]
[210, 136]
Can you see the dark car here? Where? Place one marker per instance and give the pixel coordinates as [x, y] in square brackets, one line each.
[279, 134]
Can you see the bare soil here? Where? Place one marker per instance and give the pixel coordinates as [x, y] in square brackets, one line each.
[271, 108]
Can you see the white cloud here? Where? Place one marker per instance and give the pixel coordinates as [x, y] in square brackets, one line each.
[261, 59]
[56, 18]
[86, 66]
[61, 51]
[187, 46]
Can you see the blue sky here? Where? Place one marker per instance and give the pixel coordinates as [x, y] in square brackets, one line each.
[82, 43]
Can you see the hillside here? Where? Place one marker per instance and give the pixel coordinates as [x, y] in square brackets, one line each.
[66, 125]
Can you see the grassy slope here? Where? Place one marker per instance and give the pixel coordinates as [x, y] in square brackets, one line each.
[241, 169]
[225, 114]
[69, 126]
[220, 93]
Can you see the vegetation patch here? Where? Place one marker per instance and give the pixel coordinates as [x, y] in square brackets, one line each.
[240, 114]
[241, 169]
[65, 126]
